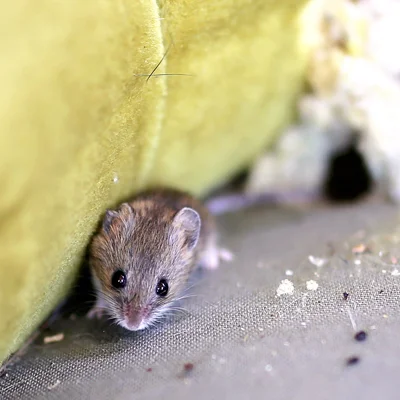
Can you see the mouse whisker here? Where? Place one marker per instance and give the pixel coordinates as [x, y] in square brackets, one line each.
[174, 310]
[185, 297]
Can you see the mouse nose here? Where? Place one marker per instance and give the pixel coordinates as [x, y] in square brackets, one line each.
[133, 321]
[135, 316]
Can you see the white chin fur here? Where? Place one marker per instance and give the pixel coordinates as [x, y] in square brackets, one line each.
[143, 325]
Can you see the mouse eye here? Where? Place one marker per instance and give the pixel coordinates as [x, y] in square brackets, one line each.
[162, 288]
[118, 279]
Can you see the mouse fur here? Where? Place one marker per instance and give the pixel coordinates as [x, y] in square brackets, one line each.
[159, 236]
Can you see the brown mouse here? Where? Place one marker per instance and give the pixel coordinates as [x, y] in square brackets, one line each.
[144, 252]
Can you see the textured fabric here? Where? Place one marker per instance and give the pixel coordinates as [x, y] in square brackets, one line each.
[81, 128]
[243, 340]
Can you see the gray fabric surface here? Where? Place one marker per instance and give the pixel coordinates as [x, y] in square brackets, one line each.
[243, 340]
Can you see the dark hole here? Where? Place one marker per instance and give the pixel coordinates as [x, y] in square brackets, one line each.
[348, 177]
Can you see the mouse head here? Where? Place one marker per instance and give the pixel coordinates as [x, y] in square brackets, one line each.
[141, 260]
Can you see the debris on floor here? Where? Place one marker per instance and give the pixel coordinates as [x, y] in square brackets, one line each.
[312, 285]
[285, 287]
[54, 385]
[360, 336]
[360, 249]
[353, 360]
[53, 339]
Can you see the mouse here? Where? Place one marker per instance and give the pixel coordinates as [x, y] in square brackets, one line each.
[144, 252]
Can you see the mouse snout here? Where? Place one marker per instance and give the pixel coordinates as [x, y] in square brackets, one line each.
[135, 319]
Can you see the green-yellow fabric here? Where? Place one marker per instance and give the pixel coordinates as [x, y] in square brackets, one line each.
[81, 129]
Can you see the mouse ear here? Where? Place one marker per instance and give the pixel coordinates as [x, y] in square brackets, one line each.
[108, 219]
[127, 209]
[189, 221]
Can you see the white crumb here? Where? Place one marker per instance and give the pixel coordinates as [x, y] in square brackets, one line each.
[268, 368]
[357, 262]
[318, 262]
[312, 285]
[115, 178]
[52, 339]
[288, 272]
[285, 287]
[54, 385]
[396, 272]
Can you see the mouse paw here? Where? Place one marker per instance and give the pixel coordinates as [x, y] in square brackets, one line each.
[225, 255]
[95, 313]
[213, 257]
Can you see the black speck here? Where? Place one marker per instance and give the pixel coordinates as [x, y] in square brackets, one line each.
[381, 291]
[353, 360]
[345, 295]
[360, 336]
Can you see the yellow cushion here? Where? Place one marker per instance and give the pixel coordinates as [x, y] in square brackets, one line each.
[80, 128]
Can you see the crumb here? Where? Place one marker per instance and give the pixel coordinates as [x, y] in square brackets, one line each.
[149, 369]
[353, 360]
[54, 385]
[385, 316]
[381, 291]
[318, 262]
[268, 368]
[3, 373]
[357, 262]
[311, 285]
[285, 287]
[360, 249]
[52, 339]
[288, 272]
[360, 336]
[395, 272]
[188, 367]
[345, 295]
